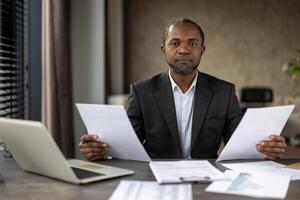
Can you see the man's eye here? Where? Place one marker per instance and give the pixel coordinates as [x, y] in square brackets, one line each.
[193, 44]
[174, 44]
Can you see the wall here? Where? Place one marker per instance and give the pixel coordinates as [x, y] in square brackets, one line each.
[246, 41]
[87, 28]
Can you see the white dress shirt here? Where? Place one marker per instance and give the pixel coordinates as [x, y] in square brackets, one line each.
[184, 106]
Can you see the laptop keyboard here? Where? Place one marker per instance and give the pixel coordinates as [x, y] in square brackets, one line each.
[81, 173]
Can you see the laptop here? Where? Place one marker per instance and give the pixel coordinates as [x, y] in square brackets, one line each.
[34, 149]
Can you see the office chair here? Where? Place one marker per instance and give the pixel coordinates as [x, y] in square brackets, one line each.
[254, 97]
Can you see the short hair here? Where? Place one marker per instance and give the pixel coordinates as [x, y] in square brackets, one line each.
[186, 21]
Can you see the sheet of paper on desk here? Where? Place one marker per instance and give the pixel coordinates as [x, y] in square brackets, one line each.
[181, 171]
[264, 166]
[111, 124]
[257, 124]
[148, 190]
[259, 184]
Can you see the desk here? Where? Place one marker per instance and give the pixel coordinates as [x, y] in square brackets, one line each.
[23, 185]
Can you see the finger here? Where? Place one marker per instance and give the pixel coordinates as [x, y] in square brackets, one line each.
[272, 150]
[101, 155]
[270, 153]
[90, 155]
[93, 145]
[272, 156]
[277, 138]
[96, 158]
[88, 138]
[91, 150]
[269, 158]
[267, 143]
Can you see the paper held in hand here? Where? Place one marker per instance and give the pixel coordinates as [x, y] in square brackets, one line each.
[257, 125]
[111, 124]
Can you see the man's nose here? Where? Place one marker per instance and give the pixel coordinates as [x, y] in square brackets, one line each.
[184, 48]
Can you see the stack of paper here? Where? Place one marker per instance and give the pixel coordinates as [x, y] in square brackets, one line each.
[146, 190]
[185, 171]
[258, 184]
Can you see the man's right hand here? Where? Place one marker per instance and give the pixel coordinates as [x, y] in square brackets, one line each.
[92, 148]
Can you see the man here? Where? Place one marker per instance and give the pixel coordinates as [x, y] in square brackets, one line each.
[182, 113]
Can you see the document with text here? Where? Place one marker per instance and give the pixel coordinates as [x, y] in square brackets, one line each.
[149, 190]
[257, 125]
[185, 171]
[112, 125]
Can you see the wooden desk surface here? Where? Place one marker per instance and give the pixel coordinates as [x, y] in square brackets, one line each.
[19, 184]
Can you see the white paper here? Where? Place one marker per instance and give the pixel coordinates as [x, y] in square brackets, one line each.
[180, 171]
[112, 125]
[259, 184]
[264, 166]
[257, 125]
[147, 190]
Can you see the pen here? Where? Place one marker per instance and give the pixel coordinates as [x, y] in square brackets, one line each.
[198, 179]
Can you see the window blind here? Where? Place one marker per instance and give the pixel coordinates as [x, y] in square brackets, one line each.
[13, 43]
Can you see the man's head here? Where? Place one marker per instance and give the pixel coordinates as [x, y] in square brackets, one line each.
[183, 46]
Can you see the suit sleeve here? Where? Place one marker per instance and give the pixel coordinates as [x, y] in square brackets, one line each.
[234, 115]
[135, 114]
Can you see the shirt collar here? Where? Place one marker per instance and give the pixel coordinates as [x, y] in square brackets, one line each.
[174, 85]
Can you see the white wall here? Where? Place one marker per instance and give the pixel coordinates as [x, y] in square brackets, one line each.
[87, 32]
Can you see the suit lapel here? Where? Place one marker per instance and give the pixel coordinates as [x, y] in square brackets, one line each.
[202, 99]
[165, 100]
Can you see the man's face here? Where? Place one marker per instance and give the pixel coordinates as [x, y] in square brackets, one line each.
[183, 48]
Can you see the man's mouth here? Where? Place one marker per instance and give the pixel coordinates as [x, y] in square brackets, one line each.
[183, 60]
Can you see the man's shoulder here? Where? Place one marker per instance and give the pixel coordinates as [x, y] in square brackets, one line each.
[150, 82]
[216, 82]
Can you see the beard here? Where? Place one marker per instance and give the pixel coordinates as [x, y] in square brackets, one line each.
[183, 69]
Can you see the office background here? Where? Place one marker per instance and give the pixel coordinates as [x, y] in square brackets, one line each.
[116, 42]
[247, 42]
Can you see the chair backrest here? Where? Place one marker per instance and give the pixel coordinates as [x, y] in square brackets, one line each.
[256, 95]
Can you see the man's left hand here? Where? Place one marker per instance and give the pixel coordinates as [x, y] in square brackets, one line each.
[273, 148]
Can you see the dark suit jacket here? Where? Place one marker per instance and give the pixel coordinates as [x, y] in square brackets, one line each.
[152, 114]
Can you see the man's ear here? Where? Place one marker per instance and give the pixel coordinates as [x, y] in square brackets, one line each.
[202, 49]
[162, 48]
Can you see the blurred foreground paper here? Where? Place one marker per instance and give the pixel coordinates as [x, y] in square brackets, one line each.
[111, 124]
[148, 190]
[264, 166]
[257, 125]
[256, 184]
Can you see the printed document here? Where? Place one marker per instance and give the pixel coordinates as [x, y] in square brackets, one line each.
[185, 171]
[257, 125]
[112, 125]
[258, 184]
[264, 166]
[148, 190]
